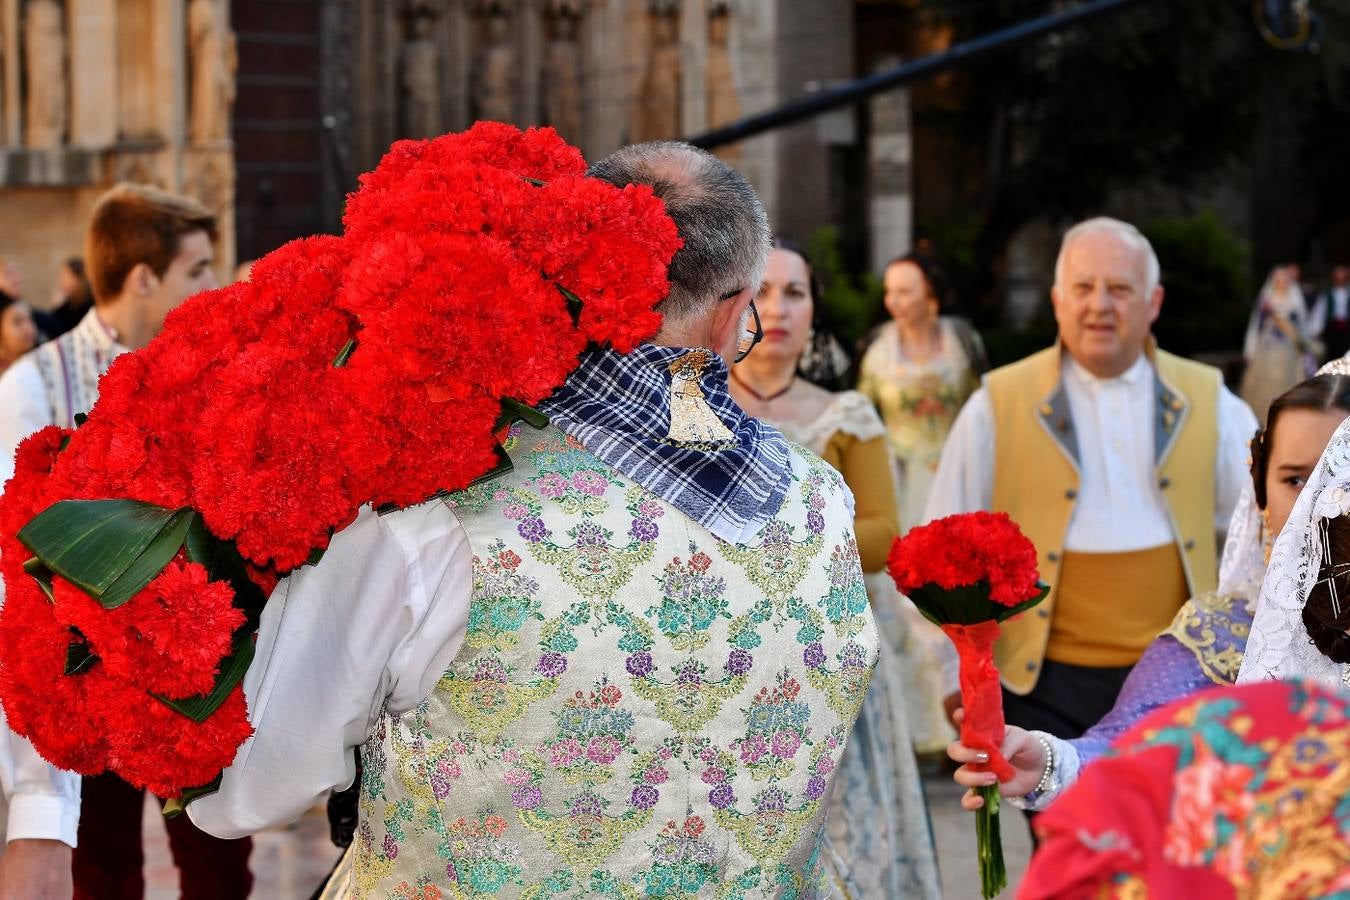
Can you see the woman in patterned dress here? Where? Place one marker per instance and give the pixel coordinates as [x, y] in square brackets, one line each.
[918, 371]
[1277, 344]
[878, 827]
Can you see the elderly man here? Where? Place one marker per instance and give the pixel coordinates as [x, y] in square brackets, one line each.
[667, 713]
[1118, 460]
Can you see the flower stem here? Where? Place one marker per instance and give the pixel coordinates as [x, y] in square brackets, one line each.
[993, 874]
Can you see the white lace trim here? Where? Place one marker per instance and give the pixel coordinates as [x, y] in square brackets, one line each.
[1243, 564]
[847, 411]
[1279, 646]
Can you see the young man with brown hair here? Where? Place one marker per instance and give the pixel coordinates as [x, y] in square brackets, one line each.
[146, 252]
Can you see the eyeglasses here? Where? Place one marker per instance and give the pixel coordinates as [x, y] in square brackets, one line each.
[750, 336]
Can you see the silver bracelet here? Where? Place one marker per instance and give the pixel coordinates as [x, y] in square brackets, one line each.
[1044, 784]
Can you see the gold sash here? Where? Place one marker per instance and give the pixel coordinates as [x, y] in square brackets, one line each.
[1109, 606]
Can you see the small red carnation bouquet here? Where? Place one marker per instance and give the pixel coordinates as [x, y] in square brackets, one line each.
[966, 574]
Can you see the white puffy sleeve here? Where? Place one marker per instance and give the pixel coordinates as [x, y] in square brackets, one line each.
[373, 626]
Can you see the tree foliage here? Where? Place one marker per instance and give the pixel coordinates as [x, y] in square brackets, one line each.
[1163, 94]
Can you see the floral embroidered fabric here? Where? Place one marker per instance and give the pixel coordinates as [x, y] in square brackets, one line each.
[639, 709]
[1235, 792]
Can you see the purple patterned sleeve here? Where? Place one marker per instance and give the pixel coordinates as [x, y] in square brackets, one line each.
[1167, 671]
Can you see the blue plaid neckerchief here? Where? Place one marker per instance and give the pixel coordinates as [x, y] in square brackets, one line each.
[619, 407]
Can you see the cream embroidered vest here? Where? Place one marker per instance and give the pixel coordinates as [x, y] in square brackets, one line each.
[638, 709]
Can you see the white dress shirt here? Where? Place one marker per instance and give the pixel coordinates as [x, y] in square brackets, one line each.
[372, 627]
[40, 800]
[37, 800]
[1120, 506]
[23, 409]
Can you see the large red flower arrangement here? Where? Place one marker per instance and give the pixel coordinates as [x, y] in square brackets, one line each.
[374, 367]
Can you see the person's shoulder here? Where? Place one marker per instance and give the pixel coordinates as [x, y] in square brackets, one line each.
[23, 377]
[877, 340]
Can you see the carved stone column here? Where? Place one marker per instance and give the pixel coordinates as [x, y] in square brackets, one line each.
[420, 78]
[495, 78]
[657, 107]
[93, 65]
[563, 88]
[11, 128]
[46, 109]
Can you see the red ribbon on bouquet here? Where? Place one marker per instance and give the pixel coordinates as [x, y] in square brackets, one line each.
[981, 694]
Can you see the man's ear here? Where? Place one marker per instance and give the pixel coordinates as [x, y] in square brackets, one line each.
[141, 281]
[727, 321]
[1155, 301]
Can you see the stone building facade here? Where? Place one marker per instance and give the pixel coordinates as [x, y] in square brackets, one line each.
[269, 109]
[93, 92]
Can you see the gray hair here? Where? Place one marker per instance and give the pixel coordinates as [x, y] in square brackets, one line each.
[1123, 230]
[719, 217]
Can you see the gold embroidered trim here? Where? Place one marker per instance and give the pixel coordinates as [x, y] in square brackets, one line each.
[1197, 627]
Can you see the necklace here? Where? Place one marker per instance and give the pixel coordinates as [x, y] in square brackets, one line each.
[764, 398]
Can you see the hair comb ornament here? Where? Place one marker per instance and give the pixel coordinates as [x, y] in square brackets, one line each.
[1338, 366]
[1330, 571]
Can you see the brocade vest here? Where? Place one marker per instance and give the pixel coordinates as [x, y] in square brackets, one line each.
[638, 708]
[1036, 481]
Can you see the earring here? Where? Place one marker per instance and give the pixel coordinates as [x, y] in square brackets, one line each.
[1267, 539]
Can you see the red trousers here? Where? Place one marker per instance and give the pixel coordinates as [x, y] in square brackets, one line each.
[109, 859]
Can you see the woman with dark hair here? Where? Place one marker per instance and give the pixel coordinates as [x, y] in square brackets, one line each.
[1302, 619]
[918, 371]
[1207, 642]
[74, 297]
[18, 335]
[879, 841]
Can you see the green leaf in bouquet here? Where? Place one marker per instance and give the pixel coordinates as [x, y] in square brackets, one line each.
[503, 466]
[344, 354]
[151, 562]
[574, 303]
[176, 806]
[513, 410]
[967, 605]
[42, 575]
[223, 562]
[110, 549]
[1007, 612]
[79, 658]
[232, 670]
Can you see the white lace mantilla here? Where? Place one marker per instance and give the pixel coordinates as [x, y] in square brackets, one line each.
[847, 411]
[1279, 646]
[1242, 565]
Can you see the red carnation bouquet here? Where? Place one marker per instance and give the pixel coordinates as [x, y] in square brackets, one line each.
[966, 574]
[376, 367]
